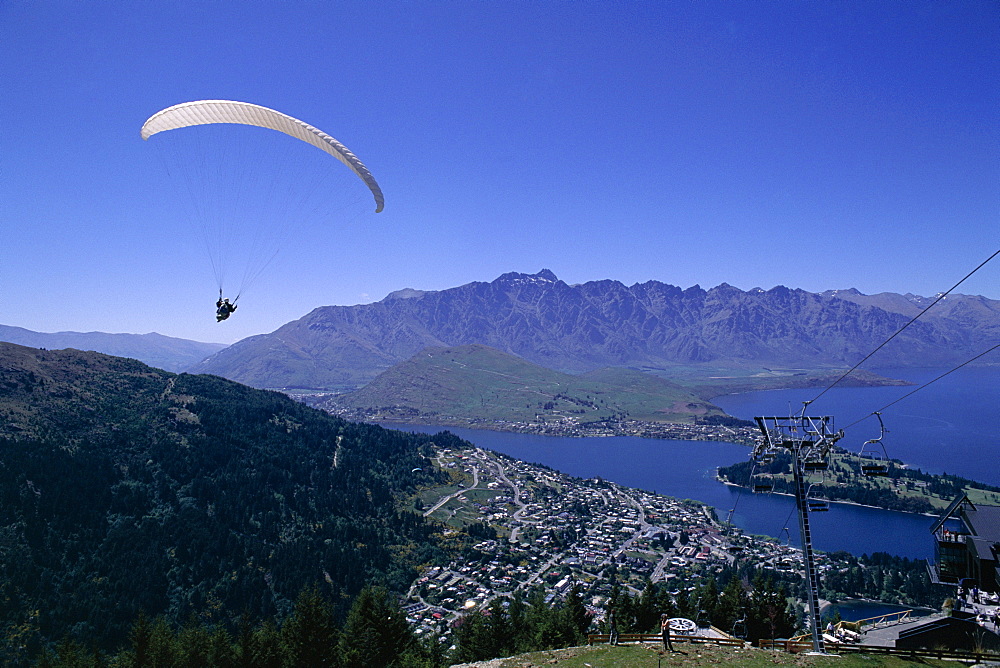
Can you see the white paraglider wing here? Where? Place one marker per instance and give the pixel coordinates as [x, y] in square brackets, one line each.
[206, 112]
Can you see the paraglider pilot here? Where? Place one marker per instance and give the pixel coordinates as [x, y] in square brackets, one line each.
[223, 309]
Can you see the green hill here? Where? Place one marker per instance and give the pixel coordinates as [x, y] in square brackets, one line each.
[128, 489]
[480, 383]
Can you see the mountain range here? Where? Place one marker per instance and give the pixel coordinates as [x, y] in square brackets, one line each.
[163, 352]
[649, 326]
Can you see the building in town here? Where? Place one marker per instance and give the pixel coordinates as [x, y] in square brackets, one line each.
[967, 545]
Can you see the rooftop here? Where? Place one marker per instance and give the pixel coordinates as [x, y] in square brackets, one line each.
[984, 521]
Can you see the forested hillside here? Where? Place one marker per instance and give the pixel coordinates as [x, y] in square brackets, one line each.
[126, 489]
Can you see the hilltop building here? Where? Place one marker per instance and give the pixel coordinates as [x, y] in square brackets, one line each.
[967, 545]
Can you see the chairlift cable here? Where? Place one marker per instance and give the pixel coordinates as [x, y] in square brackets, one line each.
[739, 494]
[784, 527]
[914, 391]
[912, 320]
[732, 511]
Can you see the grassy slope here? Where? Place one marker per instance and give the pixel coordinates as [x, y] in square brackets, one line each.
[648, 654]
[484, 383]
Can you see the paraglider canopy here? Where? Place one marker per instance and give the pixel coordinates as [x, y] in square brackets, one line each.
[207, 112]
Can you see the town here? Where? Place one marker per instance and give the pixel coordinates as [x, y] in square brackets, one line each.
[552, 530]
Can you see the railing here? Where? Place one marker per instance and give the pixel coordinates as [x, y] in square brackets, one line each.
[796, 646]
[853, 629]
[888, 619]
[948, 536]
[599, 638]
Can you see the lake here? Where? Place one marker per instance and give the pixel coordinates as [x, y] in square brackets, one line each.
[950, 426]
[853, 610]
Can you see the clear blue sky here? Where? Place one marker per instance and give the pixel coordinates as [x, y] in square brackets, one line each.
[817, 145]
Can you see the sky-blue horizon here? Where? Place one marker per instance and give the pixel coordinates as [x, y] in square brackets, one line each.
[813, 145]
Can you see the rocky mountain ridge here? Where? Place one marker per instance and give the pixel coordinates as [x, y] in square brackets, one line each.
[576, 328]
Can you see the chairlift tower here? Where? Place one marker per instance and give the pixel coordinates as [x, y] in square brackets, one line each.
[808, 440]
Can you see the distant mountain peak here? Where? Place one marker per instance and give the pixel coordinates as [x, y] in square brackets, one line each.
[405, 293]
[544, 276]
[852, 292]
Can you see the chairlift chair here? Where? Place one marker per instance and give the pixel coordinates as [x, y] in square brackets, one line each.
[816, 505]
[873, 466]
[815, 465]
[740, 628]
[759, 484]
[762, 485]
[734, 548]
[874, 459]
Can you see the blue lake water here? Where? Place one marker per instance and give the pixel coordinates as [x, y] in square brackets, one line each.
[686, 469]
[951, 426]
[854, 610]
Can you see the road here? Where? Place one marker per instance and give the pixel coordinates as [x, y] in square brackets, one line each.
[445, 499]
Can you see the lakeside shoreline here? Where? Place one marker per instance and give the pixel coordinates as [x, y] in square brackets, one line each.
[577, 434]
[744, 436]
[845, 503]
[676, 431]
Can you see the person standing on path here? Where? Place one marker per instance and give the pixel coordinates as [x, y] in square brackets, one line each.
[665, 633]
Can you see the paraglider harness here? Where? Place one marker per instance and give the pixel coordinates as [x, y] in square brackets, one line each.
[224, 308]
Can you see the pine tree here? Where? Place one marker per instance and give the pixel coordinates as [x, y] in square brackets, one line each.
[192, 646]
[140, 637]
[647, 615]
[684, 604]
[309, 635]
[708, 599]
[731, 605]
[163, 648]
[472, 639]
[221, 653]
[576, 612]
[518, 621]
[499, 630]
[768, 612]
[244, 640]
[69, 654]
[376, 632]
[266, 648]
